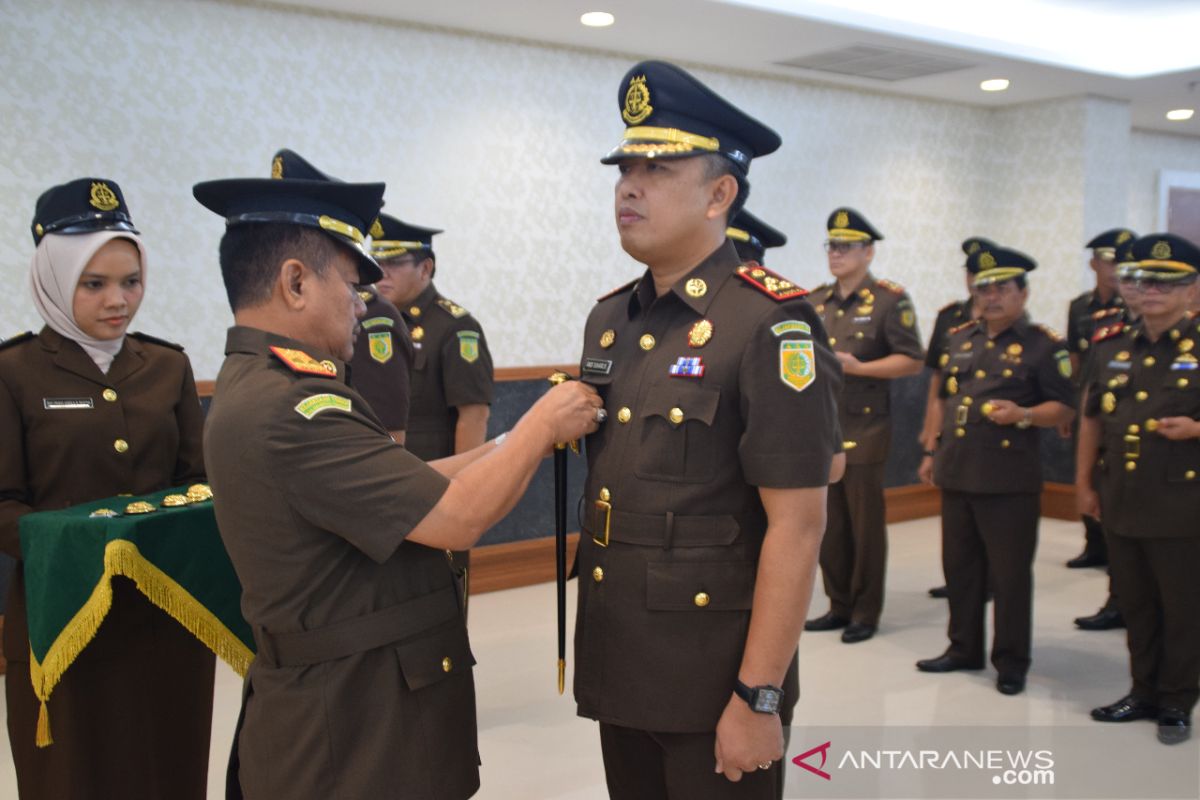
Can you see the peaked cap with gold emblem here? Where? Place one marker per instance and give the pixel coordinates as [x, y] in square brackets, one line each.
[671, 114]
[392, 238]
[847, 225]
[752, 237]
[974, 244]
[1164, 257]
[998, 264]
[83, 205]
[1105, 245]
[290, 164]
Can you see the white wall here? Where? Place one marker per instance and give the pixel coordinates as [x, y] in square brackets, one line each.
[1151, 153]
[498, 142]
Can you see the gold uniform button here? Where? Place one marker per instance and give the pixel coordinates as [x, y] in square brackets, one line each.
[1148, 361]
[1006, 443]
[832, 341]
[646, 342]
[1152, 425]
[1182, 383]
[1134, 429]
[1130, 466]
[675, 415]
[414, 311]
[980, 373]
[990, 344]
[109, 395]
[624, 415]
[859, 335]
[867, 410]
[120, 445]
[598, 574]
[447, 664]
[1141, 396]
[605, 494]
[966, 401]
[960, 432]
[987, 408]
[1007, 373]
[841, 312]
[701, 599]
[1190, 474]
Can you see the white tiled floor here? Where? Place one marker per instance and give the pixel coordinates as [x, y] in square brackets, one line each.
[533, 745]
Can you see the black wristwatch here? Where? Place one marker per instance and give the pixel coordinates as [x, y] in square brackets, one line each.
[763, 699]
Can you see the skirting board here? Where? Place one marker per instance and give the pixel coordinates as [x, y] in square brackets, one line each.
[507, 566]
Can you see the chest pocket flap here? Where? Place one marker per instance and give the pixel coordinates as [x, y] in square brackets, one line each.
[431, 658]
[701, 586]
[677, 438]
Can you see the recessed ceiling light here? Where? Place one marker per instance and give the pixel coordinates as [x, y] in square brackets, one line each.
[597, 19]
[1180, 114]
[994, 85]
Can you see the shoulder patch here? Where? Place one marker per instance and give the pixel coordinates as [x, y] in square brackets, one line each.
[302, 362]
[17, 339]
[771, 284]
[1046, 329]
[314, 404]
[891, 286]
[961, 327]
[145, 337]
[622, 288]
[1107, 331]
[452, 308]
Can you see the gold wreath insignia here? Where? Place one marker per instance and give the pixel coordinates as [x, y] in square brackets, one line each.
[637, 101]
[103, 197]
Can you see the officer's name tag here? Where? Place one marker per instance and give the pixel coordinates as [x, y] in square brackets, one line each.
[66, 403]
[1114, 364]
[597, 366]
[862, 320]
[309, 407]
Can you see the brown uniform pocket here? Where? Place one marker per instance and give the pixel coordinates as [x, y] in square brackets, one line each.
[677, 437]
[1183, 462]
[432, 658]
[703, 586]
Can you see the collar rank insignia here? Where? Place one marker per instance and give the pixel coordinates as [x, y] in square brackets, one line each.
[685, 367]
[769, 283]
[1107, 331]
[452, 308]
[622, 288]
[700, 333]
[302, 362]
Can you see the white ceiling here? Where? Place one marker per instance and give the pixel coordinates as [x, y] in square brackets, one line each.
[1143, 51]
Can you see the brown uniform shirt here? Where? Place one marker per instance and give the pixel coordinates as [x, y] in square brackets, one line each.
[383, 355]
[1135, 382]
[875, 320]
[664, 608]
[1082, 316]
[949, 316]
[451, 367]
[314, 501]
[1025, 363]
[62, 422]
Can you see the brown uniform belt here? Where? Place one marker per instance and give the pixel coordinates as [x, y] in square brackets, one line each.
[357, 635]
[606, 524]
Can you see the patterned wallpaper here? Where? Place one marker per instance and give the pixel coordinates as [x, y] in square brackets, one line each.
[498, 142]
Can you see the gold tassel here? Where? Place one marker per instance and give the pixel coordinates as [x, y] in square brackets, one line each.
[44, 739]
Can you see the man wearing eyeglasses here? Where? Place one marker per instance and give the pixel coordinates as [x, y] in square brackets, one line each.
[1138, 470]
[873, 329]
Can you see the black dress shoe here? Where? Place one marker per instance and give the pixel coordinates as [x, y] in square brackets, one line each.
[858, 632]
[1127, 709]
[1010, 684]
[947, 663]
[828, 621]
[1103, 620]
[1174, 726]
[1086, 559]
[940, 592]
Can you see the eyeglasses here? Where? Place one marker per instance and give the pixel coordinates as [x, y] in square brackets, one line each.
[1159, 287]
[843, 247]
[399, 263]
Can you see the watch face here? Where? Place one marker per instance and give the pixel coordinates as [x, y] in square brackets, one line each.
[766, 701]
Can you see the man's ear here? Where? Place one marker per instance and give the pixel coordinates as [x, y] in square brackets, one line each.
[426, 268]
[723, 191]
[292, 283]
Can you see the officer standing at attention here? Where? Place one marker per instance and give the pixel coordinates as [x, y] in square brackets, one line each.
[1142, 431]
[362, 680]
[873, 328]
[452, 378]
[1084, 314]
[1004, 379]
[383, 352]
[705, 497]
[752, 237]
[949, 316]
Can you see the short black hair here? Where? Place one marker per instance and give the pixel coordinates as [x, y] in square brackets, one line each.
[716, 166]
[251, 254]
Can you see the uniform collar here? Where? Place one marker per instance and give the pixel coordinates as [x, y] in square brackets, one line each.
[1170, 335]
[712, 271]
[1096, 304]
[867, 282]
[428, 296]
[255, 341]
[1019, 329]
[68, 355]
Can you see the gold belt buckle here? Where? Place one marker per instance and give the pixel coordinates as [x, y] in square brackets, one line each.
[605, 507]
[960, 415]
[1133, 446]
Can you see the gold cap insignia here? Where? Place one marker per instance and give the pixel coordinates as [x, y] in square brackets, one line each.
[841, 220]
[39, 229]
[103, 197]
[637, 101]
[1161, 250]
[700, 333]
[607, 338]
[376, 229]
[1123, 237]
[696, 288]
[973, 248]
[987, 261]
[277, 168]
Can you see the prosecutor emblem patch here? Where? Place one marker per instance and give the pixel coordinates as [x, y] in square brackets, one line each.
[797, 364]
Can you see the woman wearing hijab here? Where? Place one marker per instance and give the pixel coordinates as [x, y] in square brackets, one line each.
[86, 412]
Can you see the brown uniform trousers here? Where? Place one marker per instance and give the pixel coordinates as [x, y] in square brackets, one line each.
[991, 480]
[1149, 491]
[673, 522]
[452, 367]
[362, 686]
[875, 320]
[131, 717]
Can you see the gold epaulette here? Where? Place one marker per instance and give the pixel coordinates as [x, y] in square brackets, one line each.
[20, 337]
[769, 283]
[145, 337]
[1046, 329]
[1107, 331]
[302, 362]
[891, 286]
[622, 288]
[1107, 312]
[452, 308]
[961, 327]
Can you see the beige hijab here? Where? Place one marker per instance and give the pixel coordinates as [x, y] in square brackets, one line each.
[53, 275]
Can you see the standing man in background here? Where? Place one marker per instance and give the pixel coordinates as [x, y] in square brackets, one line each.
[752, 237]
[873, 329]
[452, 378]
